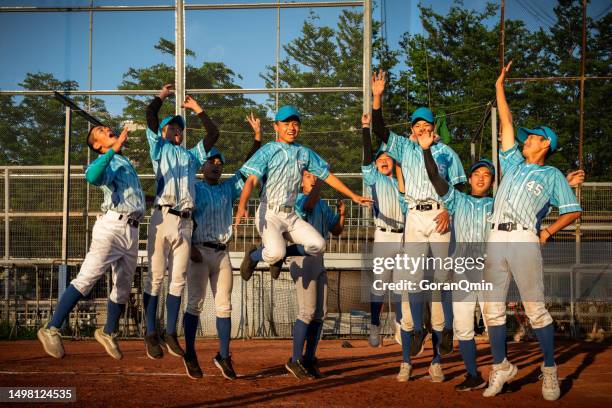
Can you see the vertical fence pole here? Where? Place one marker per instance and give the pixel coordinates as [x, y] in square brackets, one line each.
[7, 237]
[63, 269]
[277, 56]
[179, 54]
[494, 155]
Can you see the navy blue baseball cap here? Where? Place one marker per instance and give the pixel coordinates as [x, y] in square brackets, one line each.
[422, 113]
[178, 119]
[543, 131]
[214, 152]
[483, 163]
[285, 112]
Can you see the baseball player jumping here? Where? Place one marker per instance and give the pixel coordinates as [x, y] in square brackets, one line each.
[210, 258]
[527, 188]
[427, 228]
[169, 240]
[114, 242]
[281, 164]
[389, 209]
[308, 273]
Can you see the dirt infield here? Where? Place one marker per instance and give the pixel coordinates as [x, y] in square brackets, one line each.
[360, 376]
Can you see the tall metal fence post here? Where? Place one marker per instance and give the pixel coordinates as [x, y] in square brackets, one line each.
[63, 269]
[7, 236]
[494, 155]
[179, 60]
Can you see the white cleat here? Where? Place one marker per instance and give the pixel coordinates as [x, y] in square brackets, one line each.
[109, 342]
[550, 383]
[500, 374]
[374, 338]
[398, 333]
[436, 373]
[51, 341]
[404, 373]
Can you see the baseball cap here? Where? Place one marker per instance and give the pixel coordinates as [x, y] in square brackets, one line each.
[543, 131]
[178, 119]
[483, 163]
[422, 113]
[285, 112]
[214, 152]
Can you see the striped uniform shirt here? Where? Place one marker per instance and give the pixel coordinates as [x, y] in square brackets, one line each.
[321, 217]
[214, 206]
[120, 184]
[282, 165]
[410, 154]
[470, 215]
[389, 205]
[175, 170]
[527, 191]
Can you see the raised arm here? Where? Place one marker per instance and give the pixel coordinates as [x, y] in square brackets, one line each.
[256, 126]
[441, 186]
[212, 131]
[505, 116]
[97, 169]
[378, 123]
[155, 106]
[338, 185]
[366, 139]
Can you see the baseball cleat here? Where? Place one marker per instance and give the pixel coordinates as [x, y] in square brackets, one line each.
[192, 367]
[446, 343]
[404, 373]
[109, 342]
[312, 366]
[51, 341]
[500, 374]
[471, 383]
[172, 344]
[225, 365]
[418, 343]
[374, 338]
[550, 383]
[297, 369]
[154, 349]
[436, 373]
[398, 333]
[275, 269]
[247, 267]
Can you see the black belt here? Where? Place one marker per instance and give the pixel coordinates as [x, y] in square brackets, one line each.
[130, 221]
[214, 245]
[180, 214]
[281, 208]
[507, 226]
[394, 230]
[426, 207]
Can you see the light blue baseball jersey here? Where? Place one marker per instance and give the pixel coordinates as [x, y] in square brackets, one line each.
[175, 170]
[410, 154]
[213, 213]
[527, 190]
[321, 217]
[120, 184]
[470, 215]
[389, 205]
[282, 165]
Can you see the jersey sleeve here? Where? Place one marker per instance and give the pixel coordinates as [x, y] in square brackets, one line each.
[456, 174]
[257, 165]
[452, 199]
[235, 184]
[369, 174]
[510, 158]
[396, 145]
[317, 166]
[198, 153]
[100, 171]
[156, 143]
[563, 196]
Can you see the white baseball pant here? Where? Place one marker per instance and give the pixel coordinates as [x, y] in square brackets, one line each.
[386, 245]
[310, 277]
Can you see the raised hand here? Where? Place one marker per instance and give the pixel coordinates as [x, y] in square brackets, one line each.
[378, 83]
[575, 178]
[502, 75]
[192, 104]
[120, 140]
[365, 120]
[166, 91]
[426, 139]
[255, 125]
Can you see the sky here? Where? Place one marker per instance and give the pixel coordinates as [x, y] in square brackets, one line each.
[244, 40]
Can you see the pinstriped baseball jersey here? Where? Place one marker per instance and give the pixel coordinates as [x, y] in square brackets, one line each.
[213, 213]
[410, 154]
[470, 215]
[321, 217]
[283, 165]
[526, 190]
[175, 170]
[121, 187]
[388, 208]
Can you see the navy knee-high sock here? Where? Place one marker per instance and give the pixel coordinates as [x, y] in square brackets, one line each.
[436, 336]
[398, 311]
[546, 338]
[447, 308]
[190, 326]
[224, 331]
[295, 250]
[151, 312]
[313, 334]
[497, 339]
[69, 299]
[416, 301]
[467, 348]
[299, 338]
[257, 255]
[376, 305]
[173, 306]
[406, 340]
[114, 312]
[145, 300]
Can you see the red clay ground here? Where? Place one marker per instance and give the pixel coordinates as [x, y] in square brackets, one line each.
[358, 377]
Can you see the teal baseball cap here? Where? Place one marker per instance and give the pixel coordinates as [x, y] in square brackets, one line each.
[483, 163]
[214, 152]
[285, 112]
[178, 119]
[422, 113]
[543, 131]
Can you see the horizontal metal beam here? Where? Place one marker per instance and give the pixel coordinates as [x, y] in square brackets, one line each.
[232, 6]
[123, 92]
[561, 79]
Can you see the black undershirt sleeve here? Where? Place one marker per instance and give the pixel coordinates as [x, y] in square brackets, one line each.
[212, 131]
[438, 182]
[152, 112]
[378, 125]
[367, 146]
